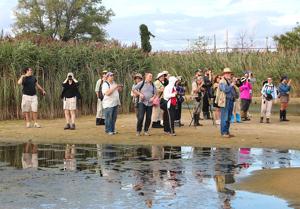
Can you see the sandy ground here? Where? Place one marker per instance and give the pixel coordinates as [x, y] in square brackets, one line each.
[248, 134]
[283, 183]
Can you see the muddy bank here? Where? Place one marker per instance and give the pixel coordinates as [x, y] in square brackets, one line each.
[282, 183]
[248, 134]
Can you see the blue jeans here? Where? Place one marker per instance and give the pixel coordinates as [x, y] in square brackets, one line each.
[110, 119]
[226, 113]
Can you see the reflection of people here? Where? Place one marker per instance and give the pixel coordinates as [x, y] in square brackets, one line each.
[70, 160]
[30, 155]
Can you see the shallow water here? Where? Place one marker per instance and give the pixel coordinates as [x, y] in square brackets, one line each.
[121, 176]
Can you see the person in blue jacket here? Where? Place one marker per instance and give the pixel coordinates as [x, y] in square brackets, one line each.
[284, 89]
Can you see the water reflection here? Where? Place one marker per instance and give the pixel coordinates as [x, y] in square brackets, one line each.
[140, 176]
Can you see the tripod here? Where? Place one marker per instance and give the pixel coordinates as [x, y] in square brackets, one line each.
[211, 112]
[197, 109]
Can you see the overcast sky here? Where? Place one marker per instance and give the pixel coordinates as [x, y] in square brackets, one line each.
[175, 22]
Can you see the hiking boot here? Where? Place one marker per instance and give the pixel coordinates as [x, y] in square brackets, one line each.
[67, 126]
[281, 115]
[268, 120]
[36, 125]
[138, 134]
[196, 120]
[284, 116]
[98, 121]
[102, 121]
[261, 119]
[72, 126]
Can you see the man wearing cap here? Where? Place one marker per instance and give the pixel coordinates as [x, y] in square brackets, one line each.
[284, 89]
[110, 102]
[157, 112]
[147, 93]
[100, 119]
[225, 97]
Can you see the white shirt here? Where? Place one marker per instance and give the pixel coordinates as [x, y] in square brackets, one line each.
[111, 100]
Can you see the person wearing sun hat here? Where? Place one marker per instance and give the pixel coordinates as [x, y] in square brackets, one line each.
[157, 112]
[136, 79]
[100, 119]
[269, 93]
[225, 97]
[284, 89]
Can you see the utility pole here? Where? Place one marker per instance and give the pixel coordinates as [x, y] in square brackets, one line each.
[267, 43]
[215, 43]
[226, 40]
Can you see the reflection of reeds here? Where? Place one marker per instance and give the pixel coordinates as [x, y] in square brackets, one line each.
[12, 155]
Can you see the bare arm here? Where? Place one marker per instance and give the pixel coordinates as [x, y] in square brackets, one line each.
[40, 88]
[20, 81]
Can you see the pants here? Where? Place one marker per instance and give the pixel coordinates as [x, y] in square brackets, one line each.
[169, 118]
[197, 107]
[142, 110]
[156, 113]
[245, 104]
[226, 113]
[205, 99]
[100, 112]
[110, 119]
[266, 108]
[178, 111]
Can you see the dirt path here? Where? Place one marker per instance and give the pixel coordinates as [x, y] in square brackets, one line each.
[283, 183]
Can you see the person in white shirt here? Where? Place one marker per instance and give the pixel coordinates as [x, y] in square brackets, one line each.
[110, 102]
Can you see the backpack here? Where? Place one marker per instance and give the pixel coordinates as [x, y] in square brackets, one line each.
[101, 95]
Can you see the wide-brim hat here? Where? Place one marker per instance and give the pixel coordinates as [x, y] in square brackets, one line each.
[104, 71]
[165, 72]
[137, 75]
[160, 75]
[227, 70]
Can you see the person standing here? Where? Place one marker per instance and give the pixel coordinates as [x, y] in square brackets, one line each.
[207, 80]
[100, 119]
[197, 91]
[284, 89]
[111, 101]
[171, 100]
[70, 94]
[157, 112]
[217, 114]
[269, 93]
[135, 97]
[180, 99]
[146, 92]
[29, 99]
[246, 97]
[226, 94]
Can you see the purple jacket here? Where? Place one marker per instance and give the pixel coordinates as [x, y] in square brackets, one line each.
[246, 91]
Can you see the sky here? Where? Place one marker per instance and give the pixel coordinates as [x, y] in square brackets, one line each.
[177, 23]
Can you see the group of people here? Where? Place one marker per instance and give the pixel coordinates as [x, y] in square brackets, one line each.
[158, 101]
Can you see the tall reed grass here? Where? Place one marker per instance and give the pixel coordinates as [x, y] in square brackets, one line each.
[51, 61]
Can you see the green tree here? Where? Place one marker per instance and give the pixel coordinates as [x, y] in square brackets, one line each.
[290, 40]
[145, 38]
[63, 19]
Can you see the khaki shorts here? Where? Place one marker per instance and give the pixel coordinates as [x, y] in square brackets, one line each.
[69, 103]
[29, 103]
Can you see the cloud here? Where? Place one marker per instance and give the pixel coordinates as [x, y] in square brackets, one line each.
[285, 20]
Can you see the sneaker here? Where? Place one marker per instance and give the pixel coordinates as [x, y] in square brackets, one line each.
[28, 125]
[226, 136]
[147, 133]
[67, 126]
[172, 134]
[36, 125]
[110, 133]
[138, 134]
[115, 132]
